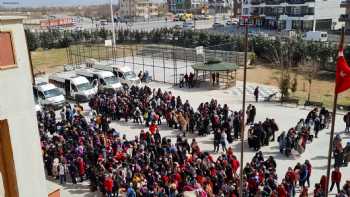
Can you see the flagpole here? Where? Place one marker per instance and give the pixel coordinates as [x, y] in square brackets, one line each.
[243, 106]
[341, 44]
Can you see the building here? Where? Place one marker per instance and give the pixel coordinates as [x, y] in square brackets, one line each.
[181, 6]
[137, 8]
[21, 164]
[294, 14]
[345, 17]
[237, 8]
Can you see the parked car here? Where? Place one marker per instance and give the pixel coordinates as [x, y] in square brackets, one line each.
[230, 22]
[48, 95]
[177, 27]
[218, 25]
[207, 17]
[188, 26]
[316, 36]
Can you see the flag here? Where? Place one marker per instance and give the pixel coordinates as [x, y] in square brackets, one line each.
[342, 76]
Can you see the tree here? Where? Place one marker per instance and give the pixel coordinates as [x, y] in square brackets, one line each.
[284, 85]
[310, 70]
[283, 55]
[294, 84]
[32, 41]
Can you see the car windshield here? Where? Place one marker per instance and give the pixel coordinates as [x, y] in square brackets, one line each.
[111, 80]
[84, 86]
[129, 75]
[52, 93]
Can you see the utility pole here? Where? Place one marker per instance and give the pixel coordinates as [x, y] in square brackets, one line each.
[315, 17]
[112, 20]
[331, 136]
[243, 106]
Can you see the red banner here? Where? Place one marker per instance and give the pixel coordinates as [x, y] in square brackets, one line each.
[56, 22]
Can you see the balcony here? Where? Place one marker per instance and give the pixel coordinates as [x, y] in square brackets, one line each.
[299, 1]
[344, 18]
[345, 3]
[274, 2]
[257, 2]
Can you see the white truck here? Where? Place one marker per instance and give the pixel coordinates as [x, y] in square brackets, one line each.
[319, 36]
[124, 73]
[48, 95]
[105, 80]
[73, 86]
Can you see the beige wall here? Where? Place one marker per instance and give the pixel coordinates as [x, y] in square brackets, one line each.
[17, 105]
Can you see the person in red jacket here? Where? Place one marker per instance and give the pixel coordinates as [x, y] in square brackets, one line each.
[153, 127]
[304, 192]
[281, 191]
[81, 166]
[235, 165]
[323, 183]
[108, 185]
[336, 178]
[309, 170]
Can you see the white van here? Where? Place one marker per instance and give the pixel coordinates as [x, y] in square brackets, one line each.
[73, 86]
[48, 96]
[105, 80]
[320, 36]
[124, 73]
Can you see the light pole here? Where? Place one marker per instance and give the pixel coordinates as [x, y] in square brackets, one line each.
[112, 20]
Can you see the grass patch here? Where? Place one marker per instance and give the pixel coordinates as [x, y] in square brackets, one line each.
[52, 60]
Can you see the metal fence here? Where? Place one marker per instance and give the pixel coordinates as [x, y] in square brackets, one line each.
[164, 63]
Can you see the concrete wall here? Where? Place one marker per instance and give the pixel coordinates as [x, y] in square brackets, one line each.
[17, 105]
[328, 9]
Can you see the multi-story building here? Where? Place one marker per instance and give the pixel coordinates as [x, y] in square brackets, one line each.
[138, 8]
[294, 14]
[237, 8]
[345, 17]
[21, 164]
[178, 6]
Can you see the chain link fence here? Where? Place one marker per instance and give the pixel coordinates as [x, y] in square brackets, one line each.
[165, 63]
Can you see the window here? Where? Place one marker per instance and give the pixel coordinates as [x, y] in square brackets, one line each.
[41, 95]
[74, 88]
[7, 56]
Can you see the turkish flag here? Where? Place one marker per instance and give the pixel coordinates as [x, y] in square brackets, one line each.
[342, 76]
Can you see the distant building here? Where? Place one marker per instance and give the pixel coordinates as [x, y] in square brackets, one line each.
[179, 6]
[294, 14]
[345, 17]
[138, 8]
[237, 8]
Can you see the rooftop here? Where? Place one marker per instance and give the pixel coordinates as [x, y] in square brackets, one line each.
[10, 18]
[215, 66]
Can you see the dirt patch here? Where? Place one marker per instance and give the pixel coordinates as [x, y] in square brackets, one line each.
[322, 88]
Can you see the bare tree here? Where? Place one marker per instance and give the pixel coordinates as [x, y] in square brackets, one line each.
[284, 54]
[310, 70]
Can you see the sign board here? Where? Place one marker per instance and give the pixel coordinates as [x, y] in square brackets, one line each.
[200, 50]
[108, 42]
[56, 22]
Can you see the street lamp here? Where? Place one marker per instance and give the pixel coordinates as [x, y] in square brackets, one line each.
[112, 20]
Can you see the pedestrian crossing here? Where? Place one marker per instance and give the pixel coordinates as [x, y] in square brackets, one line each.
[264, 91]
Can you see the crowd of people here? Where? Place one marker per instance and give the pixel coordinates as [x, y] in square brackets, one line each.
[78, 147]
[305, 131]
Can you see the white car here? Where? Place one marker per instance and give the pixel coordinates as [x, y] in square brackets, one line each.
[231, 22]
[48, 96]
[188, 26]
[218, 25]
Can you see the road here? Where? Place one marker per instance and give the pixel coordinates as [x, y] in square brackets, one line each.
[150, 25]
